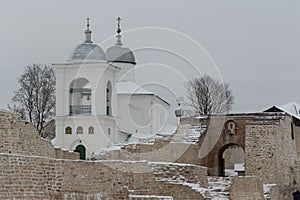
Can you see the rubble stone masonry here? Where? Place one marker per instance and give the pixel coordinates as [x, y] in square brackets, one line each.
[20, 137]
[31, 168]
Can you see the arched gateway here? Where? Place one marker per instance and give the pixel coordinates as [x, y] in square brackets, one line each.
[231, 158]
[227, 148]
[82, 151]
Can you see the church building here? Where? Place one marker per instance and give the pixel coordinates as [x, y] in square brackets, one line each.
[98, 102]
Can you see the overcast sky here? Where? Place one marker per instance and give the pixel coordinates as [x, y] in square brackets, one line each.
[252, 45]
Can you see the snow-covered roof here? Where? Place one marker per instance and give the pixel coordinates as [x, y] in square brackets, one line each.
[292, 109]
[131, 88]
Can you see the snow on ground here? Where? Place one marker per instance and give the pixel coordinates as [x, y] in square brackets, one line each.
[138, 138]
[106, 150]
[189, 133]
[172, 163]
[194, 133]
[7, 110]
[197, 187]
[168, 130]
[230, 172]
[219, 188]
[151, 197]
[267, 190]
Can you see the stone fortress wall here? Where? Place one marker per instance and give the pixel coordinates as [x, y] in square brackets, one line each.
[20, 137]
[31, 168]
[269, 141]
[271, 153]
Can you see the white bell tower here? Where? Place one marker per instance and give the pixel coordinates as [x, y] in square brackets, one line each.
[85, 103]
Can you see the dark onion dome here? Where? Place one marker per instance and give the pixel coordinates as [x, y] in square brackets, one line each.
[121, 54]
[87, 51]
[118, 53]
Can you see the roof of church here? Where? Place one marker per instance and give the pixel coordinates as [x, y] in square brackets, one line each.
[118, 53]
[131, 88]
[291, 108]
[87, 51]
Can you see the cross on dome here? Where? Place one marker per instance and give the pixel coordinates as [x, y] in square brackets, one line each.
[88, 32]
[87, 24]
[119, 42]
[119, 29]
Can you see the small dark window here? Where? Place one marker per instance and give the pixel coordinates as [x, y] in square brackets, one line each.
[108, 131]
[79, 130]
[91, 130]
[108, 98]
[292, 131]
[68, 130]
[107, 110]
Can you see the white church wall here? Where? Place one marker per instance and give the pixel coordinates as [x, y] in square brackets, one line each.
[59, 92]
[140, 114]
[159, 114]
[96, 73]
[127, 72]
[133, 114]
[96, 76]
[85, 103]
[100, 93]
[103, 135]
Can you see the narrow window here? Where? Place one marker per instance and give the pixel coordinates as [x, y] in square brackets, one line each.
[108, 98]
[68, 130]
[108, 131]
[292, 131]
[91, 130]
[79, 130]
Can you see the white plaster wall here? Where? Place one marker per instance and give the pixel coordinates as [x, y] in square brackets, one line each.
[127, 72]
[59, 92]
[140, 114]
[133, 114]
[97, 74]
[93, 142]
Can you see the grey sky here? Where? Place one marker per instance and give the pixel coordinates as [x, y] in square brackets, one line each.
[255, 44]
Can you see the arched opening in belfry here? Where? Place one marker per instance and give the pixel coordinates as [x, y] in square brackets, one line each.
[80, 97]
[108, 98]
[82, 151]
[231, 160]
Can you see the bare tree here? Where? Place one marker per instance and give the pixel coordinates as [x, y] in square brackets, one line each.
[209, 96]
[35, 99]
